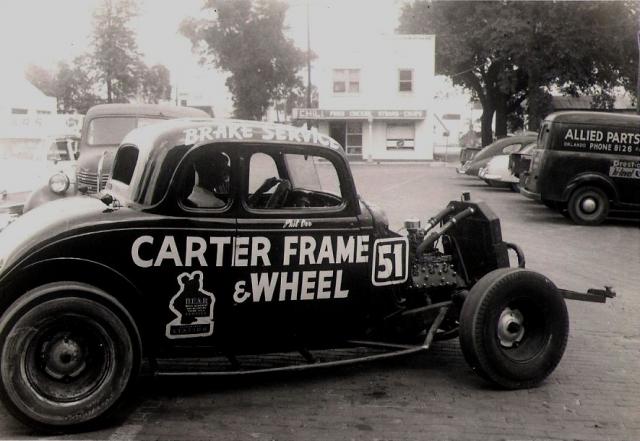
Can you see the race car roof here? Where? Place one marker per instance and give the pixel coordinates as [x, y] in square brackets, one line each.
[195, 131]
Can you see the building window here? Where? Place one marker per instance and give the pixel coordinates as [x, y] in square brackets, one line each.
[19, 111]
[354, 138]
[400, 136]
[346, 80]
[405, 83]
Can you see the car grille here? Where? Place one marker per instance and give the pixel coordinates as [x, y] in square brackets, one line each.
[90, 180]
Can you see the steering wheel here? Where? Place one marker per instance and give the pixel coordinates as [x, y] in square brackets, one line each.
[264, 187]
[279, 196]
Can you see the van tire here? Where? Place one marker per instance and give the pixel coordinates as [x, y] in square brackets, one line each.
[588, 205]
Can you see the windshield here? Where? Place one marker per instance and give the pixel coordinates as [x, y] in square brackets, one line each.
[312, 173]
[111, 130]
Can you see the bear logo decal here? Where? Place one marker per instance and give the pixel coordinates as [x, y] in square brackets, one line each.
[193, 308]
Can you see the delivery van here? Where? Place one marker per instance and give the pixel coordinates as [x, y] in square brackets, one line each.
[587, 164]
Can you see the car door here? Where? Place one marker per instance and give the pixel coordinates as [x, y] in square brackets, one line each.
[184, 260]
[300, 243]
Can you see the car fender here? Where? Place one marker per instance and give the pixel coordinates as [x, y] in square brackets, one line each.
[72, 269]
[591, 178]
[44, 194]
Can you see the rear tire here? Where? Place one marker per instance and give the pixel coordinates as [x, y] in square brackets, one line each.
[69, 352]
[514, 328]
[588, 206]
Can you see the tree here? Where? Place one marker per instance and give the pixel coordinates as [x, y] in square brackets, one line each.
[156, 84]
[75, 89]
[71, 83]
[246, 39]
[509, 52]
[116, 61]
[112, 72]
[42, 78]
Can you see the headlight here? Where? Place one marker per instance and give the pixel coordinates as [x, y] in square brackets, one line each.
[59, 183]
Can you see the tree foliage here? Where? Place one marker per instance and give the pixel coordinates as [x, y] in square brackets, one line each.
[507, 53]
[156, 84]
[113, 71]
[246, 39]
[116, 60]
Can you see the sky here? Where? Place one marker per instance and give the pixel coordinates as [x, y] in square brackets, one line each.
[44, 32]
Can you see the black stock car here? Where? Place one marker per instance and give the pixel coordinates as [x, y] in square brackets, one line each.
[226, 247]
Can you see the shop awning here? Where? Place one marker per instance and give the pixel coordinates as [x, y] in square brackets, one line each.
[328, 114]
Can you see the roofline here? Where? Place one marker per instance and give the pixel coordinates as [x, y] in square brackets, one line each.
[144, 109]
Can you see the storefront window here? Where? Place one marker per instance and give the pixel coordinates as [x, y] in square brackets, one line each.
[346, 80]
[400, 136]
[405, 80]
[354, 138]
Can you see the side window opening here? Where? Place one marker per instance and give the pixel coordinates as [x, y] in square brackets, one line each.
[206, 179]
[125, 164]
[312, 182]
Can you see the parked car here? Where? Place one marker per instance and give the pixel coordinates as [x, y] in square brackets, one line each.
[103, 128]
[587, 163]
[467, 154]
[25, 169]
[497, 172]
[502, 146]
[519, 162]
[225, 248]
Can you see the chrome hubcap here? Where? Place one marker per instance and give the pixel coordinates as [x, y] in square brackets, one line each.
[510, 327]
[588, 205]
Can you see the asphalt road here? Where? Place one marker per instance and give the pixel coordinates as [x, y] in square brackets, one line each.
[594, 394]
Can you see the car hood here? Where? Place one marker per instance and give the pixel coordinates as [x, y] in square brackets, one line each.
[44, 223]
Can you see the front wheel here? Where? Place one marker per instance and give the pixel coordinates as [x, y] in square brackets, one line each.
[68, 354]
[514, 328]
[588, 206]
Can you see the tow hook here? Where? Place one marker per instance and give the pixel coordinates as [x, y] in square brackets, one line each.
[592, 295]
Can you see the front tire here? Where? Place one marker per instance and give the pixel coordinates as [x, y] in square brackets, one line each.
[69, 352]
[514, 328]
[588, 206]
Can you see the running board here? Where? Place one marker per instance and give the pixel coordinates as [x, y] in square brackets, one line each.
[237, 365]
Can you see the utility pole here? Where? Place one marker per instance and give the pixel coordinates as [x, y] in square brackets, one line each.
[309, 60]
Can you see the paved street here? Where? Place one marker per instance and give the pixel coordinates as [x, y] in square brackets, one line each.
[594, 394]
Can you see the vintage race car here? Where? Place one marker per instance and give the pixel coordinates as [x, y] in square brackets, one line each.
[229, 247]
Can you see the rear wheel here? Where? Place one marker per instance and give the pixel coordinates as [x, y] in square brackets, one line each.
[69, 352]
[514, 328]
[588, 206]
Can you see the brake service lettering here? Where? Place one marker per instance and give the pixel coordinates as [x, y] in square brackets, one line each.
[320, 281]
[242, 132]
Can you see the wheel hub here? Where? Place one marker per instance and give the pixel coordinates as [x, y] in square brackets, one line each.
[510, 327]
[63, 357]
[588, 205]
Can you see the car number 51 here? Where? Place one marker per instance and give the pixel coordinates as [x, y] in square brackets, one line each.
[390, 261]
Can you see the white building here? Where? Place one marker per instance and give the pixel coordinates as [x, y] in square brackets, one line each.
[375, 99]
[27, 115]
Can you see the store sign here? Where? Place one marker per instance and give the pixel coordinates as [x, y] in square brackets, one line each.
[358, 114]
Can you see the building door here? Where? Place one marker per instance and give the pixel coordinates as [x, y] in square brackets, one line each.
[338, 131]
